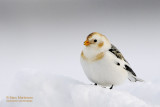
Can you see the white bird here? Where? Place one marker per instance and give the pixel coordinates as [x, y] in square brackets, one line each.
[103, 63]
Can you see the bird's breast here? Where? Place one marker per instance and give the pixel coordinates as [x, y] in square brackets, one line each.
[103, 70]
[97, 57]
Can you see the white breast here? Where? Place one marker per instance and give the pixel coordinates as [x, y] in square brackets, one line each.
[105, 72]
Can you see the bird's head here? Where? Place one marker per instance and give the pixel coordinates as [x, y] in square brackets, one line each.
[96, 40]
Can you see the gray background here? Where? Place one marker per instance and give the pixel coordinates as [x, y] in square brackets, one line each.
[48, 35]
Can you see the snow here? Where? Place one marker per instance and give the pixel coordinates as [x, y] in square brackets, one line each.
[52, 90]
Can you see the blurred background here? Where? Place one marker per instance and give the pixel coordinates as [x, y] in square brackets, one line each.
[48, 36]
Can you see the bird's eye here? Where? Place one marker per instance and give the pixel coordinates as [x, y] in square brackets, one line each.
[95, 40]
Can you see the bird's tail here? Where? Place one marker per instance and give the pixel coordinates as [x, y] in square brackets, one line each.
[133, 78]
[138, 79]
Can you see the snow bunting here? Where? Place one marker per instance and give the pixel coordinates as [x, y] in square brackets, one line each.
[103, 63]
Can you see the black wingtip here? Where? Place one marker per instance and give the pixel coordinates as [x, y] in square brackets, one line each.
[129, 69]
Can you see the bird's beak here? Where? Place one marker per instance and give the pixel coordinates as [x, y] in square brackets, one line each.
[86, 43]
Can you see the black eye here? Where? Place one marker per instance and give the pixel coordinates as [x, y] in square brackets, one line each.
[95, 40]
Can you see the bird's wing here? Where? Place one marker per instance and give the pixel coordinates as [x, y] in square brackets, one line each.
[131, 74]
[129, 69]
[117, 53]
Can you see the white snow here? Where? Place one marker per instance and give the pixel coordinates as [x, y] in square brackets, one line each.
[52, 90]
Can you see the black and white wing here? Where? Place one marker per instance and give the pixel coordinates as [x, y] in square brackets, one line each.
[117, 53]
[131, 74]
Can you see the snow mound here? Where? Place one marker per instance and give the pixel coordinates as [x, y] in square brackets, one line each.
[50, 90]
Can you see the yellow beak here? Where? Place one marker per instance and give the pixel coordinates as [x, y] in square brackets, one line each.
[86, 43]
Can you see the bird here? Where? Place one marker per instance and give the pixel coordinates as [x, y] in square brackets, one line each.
[103, 63]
